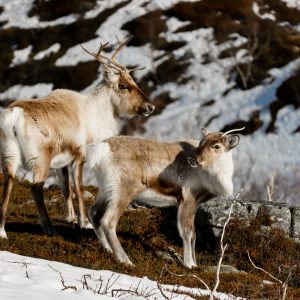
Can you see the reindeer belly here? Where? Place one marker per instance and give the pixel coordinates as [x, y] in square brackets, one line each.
[61, 160]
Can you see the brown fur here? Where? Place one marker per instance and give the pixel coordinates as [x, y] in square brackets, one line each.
[138, 165]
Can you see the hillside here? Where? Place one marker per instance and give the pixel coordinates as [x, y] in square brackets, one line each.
[150, 238]
[214, 64]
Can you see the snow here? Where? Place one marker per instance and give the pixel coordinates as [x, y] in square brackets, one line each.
[24, 277]
[21, 56]
[292, 3]
[19, 91]
[52, 49]
[16, 15]
[255, 8]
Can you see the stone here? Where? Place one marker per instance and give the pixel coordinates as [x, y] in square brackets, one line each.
[295, 227]
[224, 269]
[212, 215]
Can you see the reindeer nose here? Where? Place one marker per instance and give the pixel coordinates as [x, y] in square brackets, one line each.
[150, 108]
[146, 109]
[192, 161]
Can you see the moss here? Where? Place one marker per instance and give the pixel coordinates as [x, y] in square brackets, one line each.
[145, 232]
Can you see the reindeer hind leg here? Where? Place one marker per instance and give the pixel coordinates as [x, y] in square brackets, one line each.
[67, 190]
[96, 212]
[40, 168]
[10, 164]
[77, 170]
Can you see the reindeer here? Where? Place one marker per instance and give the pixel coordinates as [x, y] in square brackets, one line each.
[53, 132]
[183, 173]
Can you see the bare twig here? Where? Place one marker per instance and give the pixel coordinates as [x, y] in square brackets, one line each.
[84, 281]
[283, 284]
[185, 275]
[163, 292]
[139, 291]
[109, 284]
[223, 248]
[26, 269]
[65, 287]
[24, 265]
[271, 187]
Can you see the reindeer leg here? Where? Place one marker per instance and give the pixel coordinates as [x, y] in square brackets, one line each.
[67, 189]
[77, 170]
[8, 184]
[186, 228]
[96, 212]
[10, 165]
[108, 212]
[109, 223]
[40, 173]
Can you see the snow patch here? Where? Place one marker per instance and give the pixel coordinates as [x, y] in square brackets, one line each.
[26, 92]
[255, 8]
[52, 49]
[24, 277]
[21, 56]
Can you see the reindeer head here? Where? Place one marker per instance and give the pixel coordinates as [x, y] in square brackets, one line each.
[213, 149]
[128, 99]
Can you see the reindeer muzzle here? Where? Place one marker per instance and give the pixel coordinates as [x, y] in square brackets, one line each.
[146, 110]
[193, 162]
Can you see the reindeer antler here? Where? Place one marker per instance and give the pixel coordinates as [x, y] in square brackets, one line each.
[100, 57]
[232, 130]
[111, 62]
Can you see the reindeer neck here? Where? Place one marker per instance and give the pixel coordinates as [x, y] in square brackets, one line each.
[102, 119]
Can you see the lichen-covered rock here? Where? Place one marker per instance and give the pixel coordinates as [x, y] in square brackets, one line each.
[295, 228]
[213, 214]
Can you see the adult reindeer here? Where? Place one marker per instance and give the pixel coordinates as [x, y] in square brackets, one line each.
[181, 173]
[53, 132]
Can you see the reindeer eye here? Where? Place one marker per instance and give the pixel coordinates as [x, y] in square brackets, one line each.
[216, 146]
[123, 86]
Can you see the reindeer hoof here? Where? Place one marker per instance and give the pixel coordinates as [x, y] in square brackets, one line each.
[86, 224]
[3, 234]
[71, 219]
[191, 266]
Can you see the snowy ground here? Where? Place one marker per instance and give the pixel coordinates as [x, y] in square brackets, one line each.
[24, 277]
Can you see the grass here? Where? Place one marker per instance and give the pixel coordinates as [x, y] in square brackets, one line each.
[147, 235]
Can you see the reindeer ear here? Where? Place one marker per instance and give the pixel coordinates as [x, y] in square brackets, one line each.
[203, 133]
[231, 141]
[109, 75]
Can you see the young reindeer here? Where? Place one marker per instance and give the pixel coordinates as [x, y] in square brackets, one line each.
[188, 173]
[53, 132]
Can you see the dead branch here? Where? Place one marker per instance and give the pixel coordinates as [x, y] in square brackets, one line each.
[283, 284]
[65, 287]
[24, 265]
[84, 281]
[271, 187]
[139, 291]
[223, 248]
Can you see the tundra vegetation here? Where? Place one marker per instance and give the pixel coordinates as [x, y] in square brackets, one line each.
[150, 237]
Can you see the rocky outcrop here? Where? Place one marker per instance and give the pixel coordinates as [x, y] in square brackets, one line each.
[212, 215]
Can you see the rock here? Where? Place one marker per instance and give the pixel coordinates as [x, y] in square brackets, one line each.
[280, 217]
[212, 215]
[295, 226]
[224, 269]
[165, 256]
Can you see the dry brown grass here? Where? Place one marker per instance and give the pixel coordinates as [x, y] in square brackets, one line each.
[144, 232]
